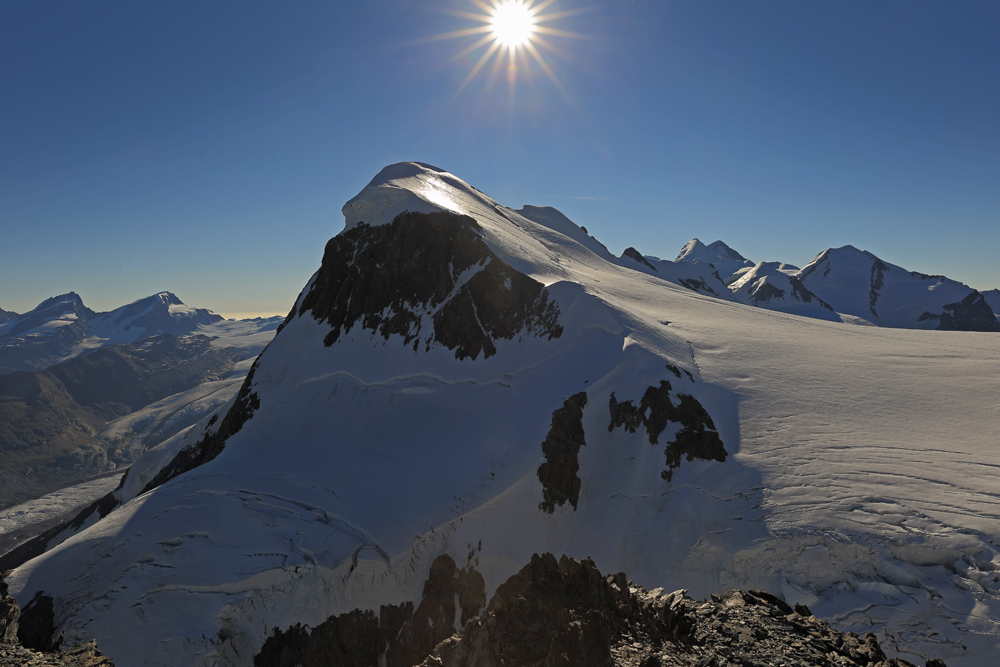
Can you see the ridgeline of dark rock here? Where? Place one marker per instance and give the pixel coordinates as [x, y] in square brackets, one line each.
[398, 636]
[697, 437]
[48, 418]
[972, 313]
[34, 626]
[558, 475]
[386, 278]
[566, 614]
[7, 315]
[632, 253]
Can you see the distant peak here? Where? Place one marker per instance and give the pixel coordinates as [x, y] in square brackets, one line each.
[690, 248]
[723, 250]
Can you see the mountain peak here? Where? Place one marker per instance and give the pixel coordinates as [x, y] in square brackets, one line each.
[692, 249]
[723, 250]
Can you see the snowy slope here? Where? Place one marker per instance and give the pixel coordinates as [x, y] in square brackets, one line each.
[766, 285]
[488, 388]
[856, 282]
[722, 258]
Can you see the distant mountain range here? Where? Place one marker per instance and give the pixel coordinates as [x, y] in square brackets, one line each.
[840, 284]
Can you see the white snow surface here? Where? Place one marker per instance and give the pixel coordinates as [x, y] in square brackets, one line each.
[861, 478]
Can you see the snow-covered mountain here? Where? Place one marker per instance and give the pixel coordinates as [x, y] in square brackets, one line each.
[6, 315]
[723, 259]
[858, 283]
[766, 285]
[62, 328]
[695, 275]
[460, 386]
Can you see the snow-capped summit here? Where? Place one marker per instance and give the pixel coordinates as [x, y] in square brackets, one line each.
[459, 386]
[157, 314]
[858, 283]
[767, 286]
[43, 335]
[62, 327]
[723, 259]
[724, 251]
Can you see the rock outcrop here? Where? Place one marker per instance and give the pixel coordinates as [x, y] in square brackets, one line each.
[566, 613]
[13, 654]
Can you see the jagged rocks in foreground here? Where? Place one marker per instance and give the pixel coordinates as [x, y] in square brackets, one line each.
[13, 633]
[567, 614]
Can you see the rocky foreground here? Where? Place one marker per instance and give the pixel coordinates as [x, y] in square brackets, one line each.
[566, 613]
[14, 636]
[551, 614]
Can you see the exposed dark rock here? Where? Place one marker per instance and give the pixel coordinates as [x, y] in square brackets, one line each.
[558, 474]
[10, 615]
[13, 654]
[567, 613]
[632, 253]
[800, 292]
[399, 636]
[697, 437]
[387, 278]
[697, 285]
[211, 445]
[765, 293]
[972, 313]
[37, 625]
[877, 280]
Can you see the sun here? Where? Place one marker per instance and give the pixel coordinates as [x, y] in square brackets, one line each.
[513, 23]
[510, 30]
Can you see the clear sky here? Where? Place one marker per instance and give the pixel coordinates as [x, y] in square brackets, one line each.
[207, 148]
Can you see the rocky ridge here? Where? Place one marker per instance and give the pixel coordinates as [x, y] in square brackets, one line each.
[567, 613]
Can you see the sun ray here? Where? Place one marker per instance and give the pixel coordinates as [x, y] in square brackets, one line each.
[469, 49]
[559, 33]
[478, 66]
[465, 32]
[565, 13]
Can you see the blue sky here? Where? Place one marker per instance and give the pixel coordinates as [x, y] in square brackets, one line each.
[207, 148]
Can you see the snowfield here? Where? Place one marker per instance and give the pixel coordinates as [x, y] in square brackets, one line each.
[859, 476]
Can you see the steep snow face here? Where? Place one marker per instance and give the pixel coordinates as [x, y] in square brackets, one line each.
[858, 283]
[767, 286]
[463, 381]
[723, 259]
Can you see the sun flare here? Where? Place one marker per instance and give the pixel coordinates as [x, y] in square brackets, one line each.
[512, 23]
[515, 31]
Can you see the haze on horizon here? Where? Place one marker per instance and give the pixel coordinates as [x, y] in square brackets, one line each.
[207, 149]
